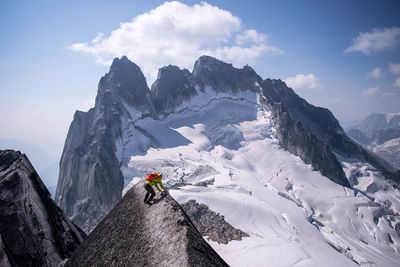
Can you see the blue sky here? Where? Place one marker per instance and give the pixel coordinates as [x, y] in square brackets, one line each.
[51, 66]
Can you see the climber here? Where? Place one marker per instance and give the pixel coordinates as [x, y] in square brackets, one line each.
[153, 179]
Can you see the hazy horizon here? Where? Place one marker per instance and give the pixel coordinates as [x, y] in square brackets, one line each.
[340, 55]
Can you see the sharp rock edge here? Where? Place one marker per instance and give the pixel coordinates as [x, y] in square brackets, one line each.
[136, 234]
[33, 229]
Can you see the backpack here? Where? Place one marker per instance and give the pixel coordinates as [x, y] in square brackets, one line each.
[151, 176]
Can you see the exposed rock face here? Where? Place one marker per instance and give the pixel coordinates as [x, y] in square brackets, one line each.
[324, 127]
[134, 234]
[205, 183]
[171, 88]
[211, 224]
[33, 230]
[5, 257]
[223, 77]
[300, 141]
[90, 182]
[299, 127]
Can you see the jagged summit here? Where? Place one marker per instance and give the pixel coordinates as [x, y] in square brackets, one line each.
[207, 63]
[33, 230]
[172, 87]
[124, 64]
[134, 234]
[126, 82]
[223, 77]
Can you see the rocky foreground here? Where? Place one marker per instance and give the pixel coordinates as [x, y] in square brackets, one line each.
[33, 229]
[136, 234]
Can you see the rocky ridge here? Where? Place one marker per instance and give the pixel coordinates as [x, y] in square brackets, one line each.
[90, 182]
[135, 234]
[211, 224]
[33, 230]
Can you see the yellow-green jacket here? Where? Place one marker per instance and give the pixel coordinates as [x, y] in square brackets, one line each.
[156, 182]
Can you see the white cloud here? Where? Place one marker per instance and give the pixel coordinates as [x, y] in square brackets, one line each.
[397, 83]
[370, 91]
[302, 82]
[251, 36]
[376, 40]
[375, 73]
[394, 68]
[176, 33]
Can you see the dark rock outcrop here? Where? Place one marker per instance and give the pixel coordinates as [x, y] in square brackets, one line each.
[90, 182]
[300, 126]
[223, 77]
[302, 142]
[323, 126]
[135, 234]
[125, 83]
[33, 230]
[172, 87]
[205, 183]
[211, 224]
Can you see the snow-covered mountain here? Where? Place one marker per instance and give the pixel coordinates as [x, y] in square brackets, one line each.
[277, 168]
[381, 134]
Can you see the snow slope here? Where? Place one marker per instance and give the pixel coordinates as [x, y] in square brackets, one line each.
[294, 216]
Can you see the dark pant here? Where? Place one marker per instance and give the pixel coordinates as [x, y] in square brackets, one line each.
[150, 192]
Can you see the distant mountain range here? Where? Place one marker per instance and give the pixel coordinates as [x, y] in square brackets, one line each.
[381, 134]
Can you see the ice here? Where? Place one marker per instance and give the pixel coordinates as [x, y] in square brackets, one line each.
[294, 215]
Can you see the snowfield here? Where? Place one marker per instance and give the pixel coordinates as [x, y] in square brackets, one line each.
[294, 216]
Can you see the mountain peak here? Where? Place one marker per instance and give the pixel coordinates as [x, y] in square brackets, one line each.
[224, 77]
[169, 70]
[209, 64]
[124, 64]
[126, 81]
[172, 87]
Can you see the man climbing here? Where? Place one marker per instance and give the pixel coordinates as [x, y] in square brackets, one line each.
[153, 179]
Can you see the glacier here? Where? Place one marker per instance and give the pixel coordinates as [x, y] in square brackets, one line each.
[294, 215]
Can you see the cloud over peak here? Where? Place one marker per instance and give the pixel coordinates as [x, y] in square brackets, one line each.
[176, 33]
[302, 82]
[376, 40]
